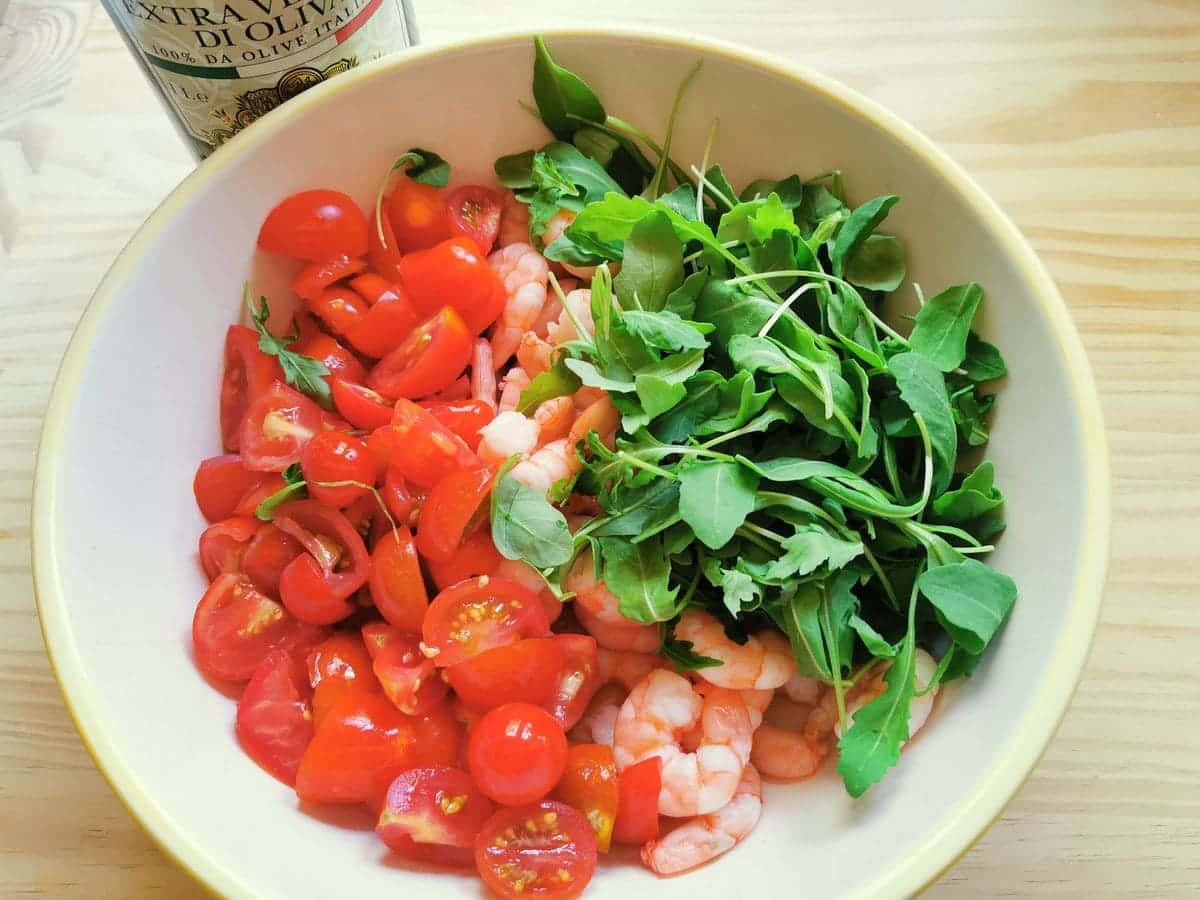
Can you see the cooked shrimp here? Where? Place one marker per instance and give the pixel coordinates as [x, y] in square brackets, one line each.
[598, 611]
[554, 418]
[704, 838]
[795, 737]
[872, 685]
[524, 574]
[586, 396]
[626, 669]
[600, 719]
[549, 314]
[660, 710]
[511, 388]
[508, 433]
[601, 417]
[624, 637]
[554, 230]
[578, 304]
[553, 462]
[764, 662]
[802, 689]
[533, 354]
[524, 272]
[756, 704]
[483, 375]
[514, 221]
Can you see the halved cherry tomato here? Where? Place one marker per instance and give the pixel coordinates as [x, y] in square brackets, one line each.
[431, 854]
[359, 405]
[223, 545]
[341, 655]
[340, 362]
[463, 417]
[578, 681]
[517, 753]
[315, 225]
[397, 587]
[423, 450]
[332, 457]
[373, 287]
[417, 214]
[361, 745]
[454, 272]
[638, 788]
[452, 512]
[384, 256]
[475, 213]
[432, 356]
[277, 426]
[236, 626]
[274, 715]
[481, 614]
[220, 484]
[305, 589]
[409, 678]
[267, 556]
[386, 325]
[546, 850]
[248, 373]
[590, 785]
[340, 308]
[440, 738]
[317, 586]
[438, 805]
[458, 389]
[401, 500]
[477, 555]
[316, 276]
[523, 672]
[271, 484]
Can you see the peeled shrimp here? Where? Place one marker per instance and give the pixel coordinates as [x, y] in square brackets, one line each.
[549, 314]
[802, 689]
[524, 272]
[704, 838]
[553, 462]
[599, 721]
[554, 418]
[920, 707]
[598, 611]
[533, 354]
[626, 669]
[578, 303]
[554, 230]
[764, 662]
[511, 388]
[797, 751]
[508, 433]
[514, 221]
[483, 375]
[602, 417]
[660, 710]
[756, 704]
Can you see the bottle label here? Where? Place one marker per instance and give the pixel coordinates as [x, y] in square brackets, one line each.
[221, 65]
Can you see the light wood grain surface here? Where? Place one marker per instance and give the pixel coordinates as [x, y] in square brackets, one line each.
[1081, 118]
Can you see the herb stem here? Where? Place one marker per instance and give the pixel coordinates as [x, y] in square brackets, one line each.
[712, 188]
[622, 127]
[639, 463]
[764, 532]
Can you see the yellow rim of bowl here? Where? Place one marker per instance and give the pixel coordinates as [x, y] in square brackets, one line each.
[1027, 743]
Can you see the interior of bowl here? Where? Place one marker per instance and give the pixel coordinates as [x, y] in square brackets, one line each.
[136, 408]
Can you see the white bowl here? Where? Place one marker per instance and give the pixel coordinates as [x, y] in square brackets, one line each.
[135, 408]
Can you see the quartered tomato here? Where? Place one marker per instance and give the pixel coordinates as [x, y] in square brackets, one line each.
[440, 738]
[316, 276]
[455, 507]
[223, 545]
[578, 680]
[274, 715]
[431, 854]
[438, 805]
[402, 501]
[637, 802]
[383, 254]
[248, 373]
[340, 362]
[477, 555]
[417, 214]
[475, 213]
[340, 308]
[432, 356]
[332, 457]
[517, 753]
[397, 587]
[236, 626]
[220, 484]
[463, 417]
[409, 678]
[342, 655]
[423, 450]
[315, 225]
[523, 672]
[270, 484]
[316, 586]
[454, 272]
[387, 323]
[359, 405]
[268, 555]
[277, 426]
[589, 785]
[481, 614]
[545, 850]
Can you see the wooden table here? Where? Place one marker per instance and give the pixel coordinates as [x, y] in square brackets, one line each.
[1082, 120]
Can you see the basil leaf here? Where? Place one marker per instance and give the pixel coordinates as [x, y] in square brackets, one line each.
[923, 389]
[857, 227]
[943, 324]
[525, 526]
[714, 499]
[562, 97]
[971, 601]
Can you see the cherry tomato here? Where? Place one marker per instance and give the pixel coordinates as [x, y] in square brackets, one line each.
[423, 450]
[397, 587]
[340, 308]
[377, 635]
[409, 678]
[305, 589]
[277, 426]
[220, 484]
[267, 556]
[384, 256]
[475, 213]
[402, 501]
[341, 655]
[438, 805]
[361, 406]
[517, 753]
[524, 672]
[315, 225]
[578, 680]
[332, 457]
[236, 626]
[432, 356]
[316, 587]
[637, 802]
[481, 614]
[340, 362]
[463, 417]
[454, 272]
[385, 326]
[453, 510]
[477, 555]
[431, 854]
[362, 743]
[440, 738]
[248, 373]
[223, 545]
[373, 288]
[459, 389]
[316, 276]
[546, 850]
[274, 715]
[590, 786]
[417, 214]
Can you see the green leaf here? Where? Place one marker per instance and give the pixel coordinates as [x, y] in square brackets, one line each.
[738, 591]
[682, 201]
[815, 618]
[596, 143]
[638, 575]
[588, 374]
[875, 643]
[777, 253]
[983, 361]
[701, 401]
[652, 266]
[818, 205]
[682, 300]
[923, 389]
[971, 600]
[557, 381]
[976, 496]
[857, 228]
[970, 412]
[582, 171]
[738, 404]
[665, 330]
[657, 395]
[714, 499]
[525, 526]
[877, 264]
[562, 97]
[683, 657]
[613, 217]
[631, 511]
[771, 216]
[658, 179]
[790, 190]
[424, 166]
[810, 547]
[943, 324]
[515, 171]
[293, 490]
[304, 372]
[715, 176]
[676, 368]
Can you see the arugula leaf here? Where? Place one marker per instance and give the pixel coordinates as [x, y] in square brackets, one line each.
[875, 643]
[557, 381]
[790, 190]
[525, 526]
[923, 389]
[771, 216]
[983, 361]
[738, 403]
[818, 205]
[562, 97]
[778, 252]
[700, 402]
[612, 218]
[652, 264]
[877, 263]
[424, 166]
[856, 228]
[971, 600]
[632, 511]
[683, 657]
[739, 592]
[970, 413]
[815, 618]
[665, 330]
[638, 574]
[656, 394]
[976, 496]
[943, 323]
[590, 375]
[810, 547]
[304, 372]
[714, 499]
[516, 170]
[295, 488]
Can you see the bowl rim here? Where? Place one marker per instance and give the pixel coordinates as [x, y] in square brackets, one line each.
[1027, 742]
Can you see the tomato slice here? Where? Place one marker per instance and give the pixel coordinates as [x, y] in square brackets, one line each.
[383, 256]
[454, 272]
[523, 672]
[332, 457]
[316, 276]
[248, 373]
[220, 484]
[477, 555]
[516, 753]
[362, 743]
[431, 357]
[481, 614]
[377, 635]
[397, 586]
[417, 214]
[340, 308]
[359, 405]
[277, 425]
[387, 323]
[452, 512]
[441, 738]
[340, 362]
[236, 626]
[475, 213]
[274, 715]
[578, 680]
[342, 655]
[545, 850]
[409, 678]
[315, 225]
[590, 785]
[402, 501]
[463, 417]
[437, 805]
[267, 556]
[637, 802]
[422, 449]
[316, 587]
[223, 545]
